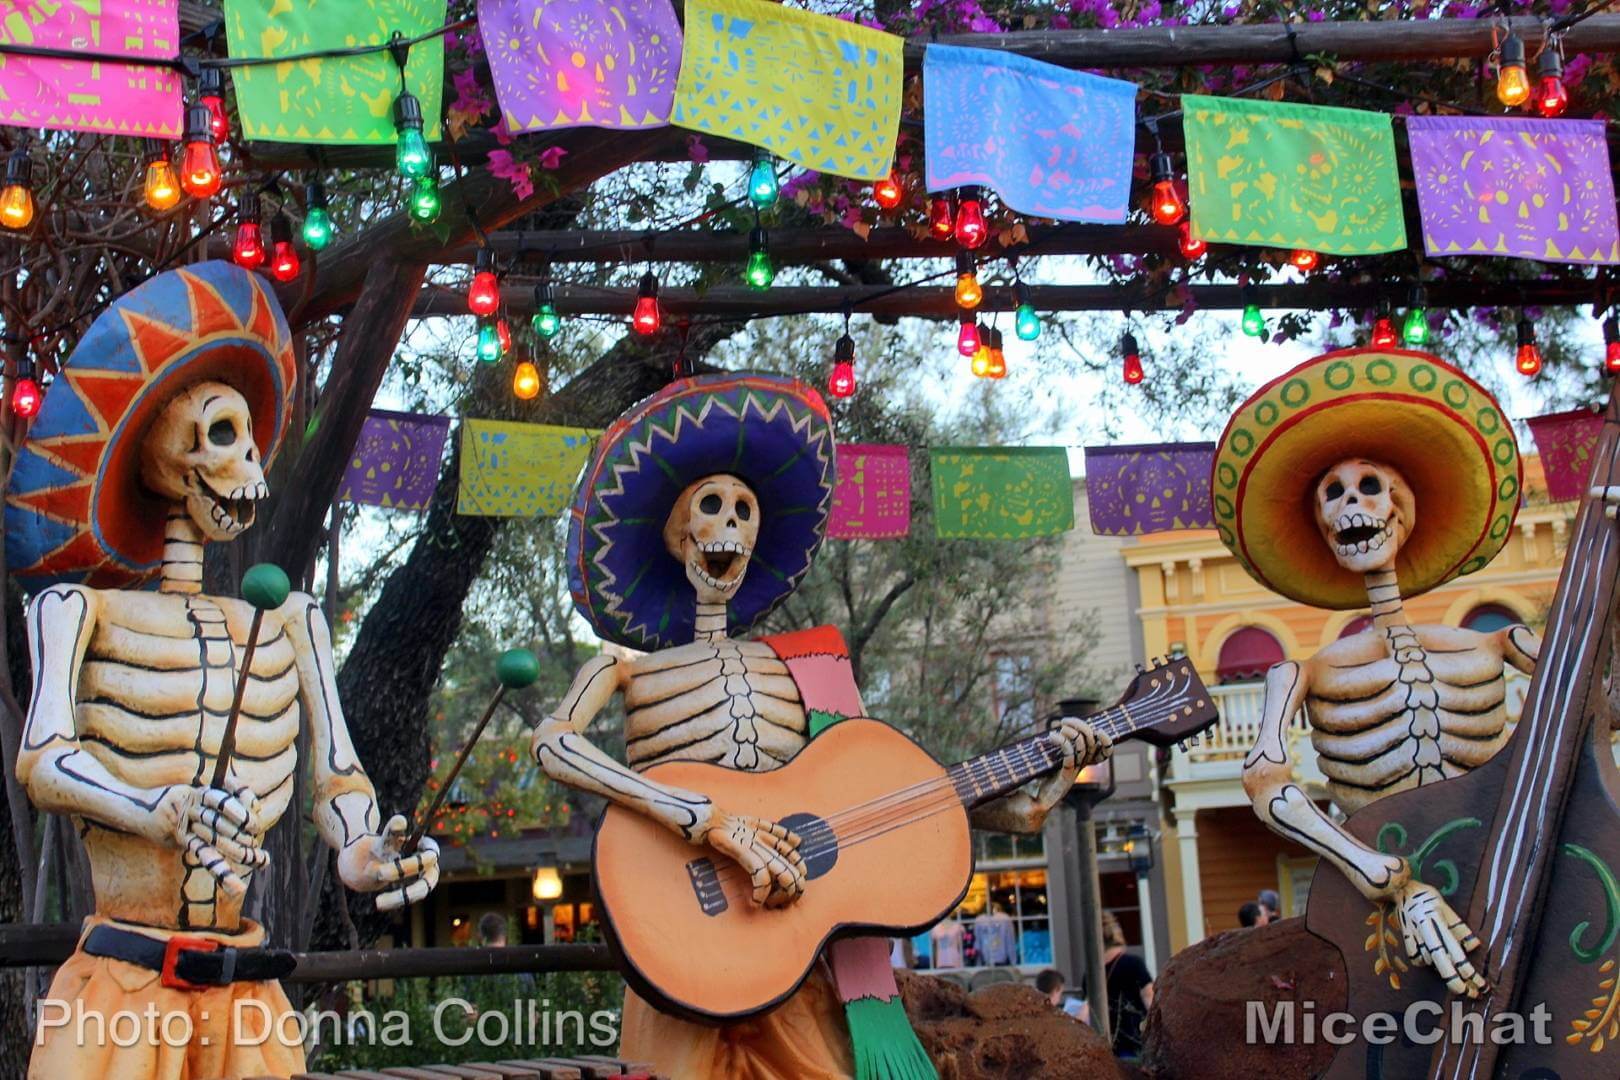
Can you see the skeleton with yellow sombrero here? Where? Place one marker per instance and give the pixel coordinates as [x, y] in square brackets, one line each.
[1356, 479]
[153, 442]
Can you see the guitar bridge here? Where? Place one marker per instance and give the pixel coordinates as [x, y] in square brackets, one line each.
[706, 883]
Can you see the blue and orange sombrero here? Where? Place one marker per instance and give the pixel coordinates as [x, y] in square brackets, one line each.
[76, 510]
[773, 433]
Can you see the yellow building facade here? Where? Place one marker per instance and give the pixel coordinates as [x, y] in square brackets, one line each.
[1195, 599]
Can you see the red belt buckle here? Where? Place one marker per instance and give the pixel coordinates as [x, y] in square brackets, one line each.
[171, 954]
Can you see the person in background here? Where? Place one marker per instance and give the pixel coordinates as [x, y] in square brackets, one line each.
[1272, 903]
[1253, 914]
[492, 930]
[1051, 983]
[1130, 989]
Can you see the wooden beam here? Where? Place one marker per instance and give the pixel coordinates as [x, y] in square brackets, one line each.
[790, 247]
[935, 302]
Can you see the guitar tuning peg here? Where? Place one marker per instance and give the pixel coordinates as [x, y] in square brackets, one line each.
[1182, 746]
[1140, 670]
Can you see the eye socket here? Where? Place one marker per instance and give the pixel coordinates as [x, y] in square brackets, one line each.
[1369, 485]
[709, 504]
[1334, 490]
[222, 433]
[744, 511]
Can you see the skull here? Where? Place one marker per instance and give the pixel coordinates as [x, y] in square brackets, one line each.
[200, 453]
[711, 531]
[1365, 512]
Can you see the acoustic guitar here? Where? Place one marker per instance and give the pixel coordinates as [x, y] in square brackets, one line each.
[1525, 848]
[884, 833]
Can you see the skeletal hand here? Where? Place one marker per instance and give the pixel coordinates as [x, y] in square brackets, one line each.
[1082, 745]
[372, 863]
[219, 828]
[767, 852]
[1435, 935]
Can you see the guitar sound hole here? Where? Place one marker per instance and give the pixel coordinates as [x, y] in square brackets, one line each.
[817, 843]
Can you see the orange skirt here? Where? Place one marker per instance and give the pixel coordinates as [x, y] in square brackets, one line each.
[96, 1003]
[804, 1038]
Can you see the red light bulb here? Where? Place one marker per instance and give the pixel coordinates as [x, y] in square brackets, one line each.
[1551, 97]
[25, 396]
[283, 256]
[971, 230]
[248, 251]
[967, 336]
[199, 165]
[503, 334]
[1304, 260]
[941, 222]
[841, 383]
[484, 291]
[1191, 246]
[889, 191]
[647, 318]
[1383, 333]
[1166, 202]
[1611, 358]
[1528, 357]
[1133, 360]
[211, 95]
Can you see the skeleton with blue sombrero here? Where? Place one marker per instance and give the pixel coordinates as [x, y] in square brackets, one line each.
[151, 443]
[699, 513]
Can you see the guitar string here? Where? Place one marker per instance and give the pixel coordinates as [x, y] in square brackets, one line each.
[1018, 756]
[1127, 724]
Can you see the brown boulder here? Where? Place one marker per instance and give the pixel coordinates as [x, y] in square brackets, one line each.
[1003, 1032]
[1196, 1029]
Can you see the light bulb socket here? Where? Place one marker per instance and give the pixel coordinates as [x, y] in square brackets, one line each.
[210, 82]
[990, 336]
[1021, 294]
[1549, 64]
[844, 351]
[154, 151]
[965, 264]
[1250, 296]
[1611, 330]
[247, 207]
[484, 260]
[964, 318]
[542, 294]
[1385, 308]
[280, 229]
[20, 169]
[199, 125]
[757, 240]
[407, 111]
[648, 289]
[1417, 296]
[1512, 52]
[315, 195]
[1526, 332]
[1128, 345]
[1160, 167]
[25, 367]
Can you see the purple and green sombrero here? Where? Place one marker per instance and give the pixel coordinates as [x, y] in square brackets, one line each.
[773, 433]
[76, 510]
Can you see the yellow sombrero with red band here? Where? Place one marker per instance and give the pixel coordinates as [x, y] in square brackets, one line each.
[1412, 411]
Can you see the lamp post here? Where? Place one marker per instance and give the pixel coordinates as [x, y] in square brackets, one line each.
[1139, 850]
[1078, 861]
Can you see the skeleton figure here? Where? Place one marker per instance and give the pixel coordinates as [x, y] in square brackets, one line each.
[132, 690]
[727, 702]
[1394, 707]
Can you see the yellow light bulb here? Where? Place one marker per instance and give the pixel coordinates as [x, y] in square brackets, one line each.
[162, 188]
[968, 292]
[1513, 85]
[526, 383]
[16, 207]
[548, 884]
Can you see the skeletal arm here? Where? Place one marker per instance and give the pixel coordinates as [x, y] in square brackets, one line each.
[1519, 646]
[566, 756]
[345, 809]
[1024, 814]
[1283, 805]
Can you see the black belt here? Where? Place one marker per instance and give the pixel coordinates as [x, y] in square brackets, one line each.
[187, 962]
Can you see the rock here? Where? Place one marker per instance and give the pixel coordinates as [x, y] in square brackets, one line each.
[1003, 1032]
[1196, 1029]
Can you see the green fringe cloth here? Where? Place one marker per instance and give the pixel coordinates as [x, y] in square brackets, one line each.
[885, 1046]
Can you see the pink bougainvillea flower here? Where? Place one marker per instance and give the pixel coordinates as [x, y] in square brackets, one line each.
[551, 157]
[505, 167]
[696, 150]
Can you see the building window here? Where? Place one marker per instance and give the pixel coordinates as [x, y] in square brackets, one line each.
[1246, 654]
[1013, 692]
[1004, 919]
[1489, 618]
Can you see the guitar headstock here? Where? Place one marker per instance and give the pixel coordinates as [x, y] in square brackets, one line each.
[1167, 703]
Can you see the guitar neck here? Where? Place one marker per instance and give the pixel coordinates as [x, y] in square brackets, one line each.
[992, 775]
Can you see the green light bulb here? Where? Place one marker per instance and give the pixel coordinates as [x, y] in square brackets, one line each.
[762, 188]
[546, 321]
[760, 273]
[1028, 323]
[317, 228]
[425, 199]
[489, 343]
[1254, 323]
[1415, 331]
[411, 153]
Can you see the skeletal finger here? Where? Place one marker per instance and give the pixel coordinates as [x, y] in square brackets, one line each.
[215, 863]
[1105, 746]
[220, 825]
[1465, 937]
[226, 804]
[761, 877]
[393, 870]
[251, 856]
[394, 899]
[788, 850]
